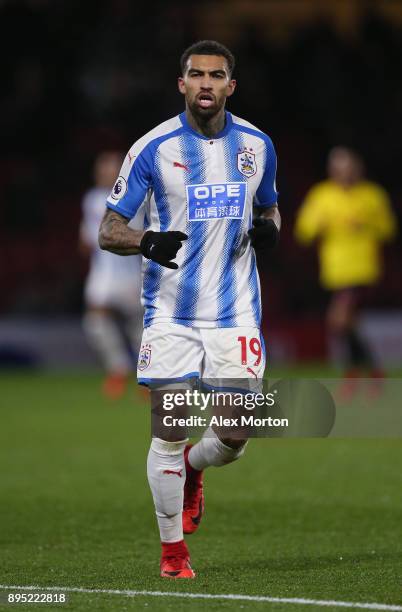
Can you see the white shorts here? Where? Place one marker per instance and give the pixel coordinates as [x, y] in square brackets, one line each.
[105, 291]
[173, 353]
[114, 282]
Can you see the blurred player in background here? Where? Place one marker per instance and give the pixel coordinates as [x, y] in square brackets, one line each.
[351, 218]
[113, 314]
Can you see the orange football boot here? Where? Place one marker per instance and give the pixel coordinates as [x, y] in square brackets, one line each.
[175, 561]
[114, 386]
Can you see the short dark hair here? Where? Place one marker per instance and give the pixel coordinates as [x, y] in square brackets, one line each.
[208, 47]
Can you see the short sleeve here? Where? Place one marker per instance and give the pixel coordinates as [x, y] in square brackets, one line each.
[311, 216]
[133, 182]
[266, 194]
[384, 221]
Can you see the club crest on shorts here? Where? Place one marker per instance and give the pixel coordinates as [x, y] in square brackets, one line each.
[144, 358]
[246, 162]
[119, 188]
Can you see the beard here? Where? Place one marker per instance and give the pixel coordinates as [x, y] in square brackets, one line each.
[205, 114]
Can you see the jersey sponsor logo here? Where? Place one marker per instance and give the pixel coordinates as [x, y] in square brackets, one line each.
[144, 358]
[119, 188]
[216, 201]
[246, 162]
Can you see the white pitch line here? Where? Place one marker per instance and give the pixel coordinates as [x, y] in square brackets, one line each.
[229, 596]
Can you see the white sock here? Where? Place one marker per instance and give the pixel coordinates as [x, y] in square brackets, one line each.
[106, 338]
[211, 451]
[166, 476]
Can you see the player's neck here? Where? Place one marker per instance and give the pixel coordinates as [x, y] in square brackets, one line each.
[208, 127]
[346, 185]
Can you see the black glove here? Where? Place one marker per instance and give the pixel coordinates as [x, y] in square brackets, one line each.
[264, 235]
[162, 247]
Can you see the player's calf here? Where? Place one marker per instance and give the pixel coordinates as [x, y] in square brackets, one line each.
[166, 477]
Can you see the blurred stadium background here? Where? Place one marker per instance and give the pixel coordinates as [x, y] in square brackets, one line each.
[294, 518]
[82, 77]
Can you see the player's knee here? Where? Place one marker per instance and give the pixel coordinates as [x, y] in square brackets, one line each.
[234, 443]
[229, 450]
[336, 322]
[93, 324]
[167, 447]
[169, 411]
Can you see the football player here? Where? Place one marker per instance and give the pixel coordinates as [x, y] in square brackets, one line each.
[351, 217]
[113, 313]
[201, 172]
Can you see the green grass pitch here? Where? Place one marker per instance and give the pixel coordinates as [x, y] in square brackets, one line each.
[319, 519]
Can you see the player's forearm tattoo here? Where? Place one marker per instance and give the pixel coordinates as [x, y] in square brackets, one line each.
[117, 237]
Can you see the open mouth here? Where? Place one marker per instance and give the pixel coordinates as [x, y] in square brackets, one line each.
[205, 100]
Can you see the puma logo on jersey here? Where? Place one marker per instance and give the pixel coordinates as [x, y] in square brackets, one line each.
[179, 165]
[131, 157]
[178, 473]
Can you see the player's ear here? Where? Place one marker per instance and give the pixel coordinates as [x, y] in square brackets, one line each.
[231, 87]
[181, 85]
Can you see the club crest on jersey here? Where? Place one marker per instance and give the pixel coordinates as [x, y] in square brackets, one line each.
[119, 188]
[144, 358]
[246, 162]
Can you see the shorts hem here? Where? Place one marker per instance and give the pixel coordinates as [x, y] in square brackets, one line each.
[162, 381]
[219, 389]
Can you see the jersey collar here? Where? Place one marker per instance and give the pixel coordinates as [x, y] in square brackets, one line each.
[188, 128]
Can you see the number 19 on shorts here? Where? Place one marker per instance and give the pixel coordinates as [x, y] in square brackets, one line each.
[250, 349]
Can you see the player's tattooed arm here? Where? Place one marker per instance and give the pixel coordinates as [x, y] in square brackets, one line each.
[115, 235]
[272, 213]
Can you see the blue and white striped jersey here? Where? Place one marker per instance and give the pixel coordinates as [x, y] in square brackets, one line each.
[206, 188]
